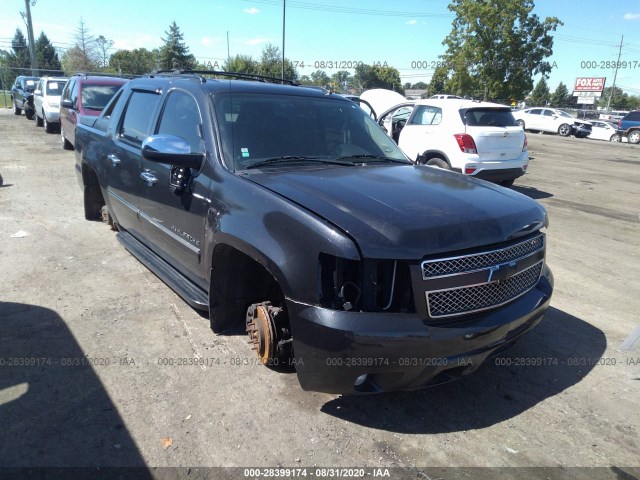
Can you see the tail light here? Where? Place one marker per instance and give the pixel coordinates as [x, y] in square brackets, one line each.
[469, 169]
[466, 143]
[619, 124]
[525, 146]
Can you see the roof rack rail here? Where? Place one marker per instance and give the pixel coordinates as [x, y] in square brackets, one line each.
[242, 76]
[105, 74]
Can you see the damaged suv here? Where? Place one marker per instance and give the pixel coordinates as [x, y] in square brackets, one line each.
[289, 211]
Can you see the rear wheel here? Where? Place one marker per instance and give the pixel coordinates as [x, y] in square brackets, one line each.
[564, 130]
[29, 114]
[507, 183]
[438, 162]
[634, 137]
[615, 138]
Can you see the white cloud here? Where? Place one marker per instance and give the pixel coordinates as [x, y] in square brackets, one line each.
[251, 11]
[412, 22]
[632, 16]
[209, 41]
[256, 41]
[139, 41]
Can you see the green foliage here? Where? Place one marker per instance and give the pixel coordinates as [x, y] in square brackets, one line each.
[83, 56]
[619, 99]
[438, 81]
[241, 64]
[103, 45]
[367, 77]
[133, 62]
[48, 60]
[496, 47]
[320, 77]
[271, 64]
[174, 53]
[540, 95]
[340, 81]
[560, 97]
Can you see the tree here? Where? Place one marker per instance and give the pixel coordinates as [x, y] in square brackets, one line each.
[340, 80]
[241, 64]
[133, 62]
[320, 77]
[83, 56]
[367, 77]
[619, 99]
[540, 95]
[271, 64]
[438, 81]
[174, 53]
[103, 46]
[47, 56]
[499, 45]
[560, 97]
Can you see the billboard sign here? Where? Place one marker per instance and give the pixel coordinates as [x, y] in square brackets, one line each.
[587, 94]
[586, 100]
[589, 84]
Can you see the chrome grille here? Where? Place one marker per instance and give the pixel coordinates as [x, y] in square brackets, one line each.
[468, 263]
[459, 300]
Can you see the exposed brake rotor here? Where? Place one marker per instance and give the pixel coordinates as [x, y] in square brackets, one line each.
[261, 328]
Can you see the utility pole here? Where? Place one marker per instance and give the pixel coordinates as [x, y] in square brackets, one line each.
[228, 54]
[284, 10]
[32, 43]
[615, 75]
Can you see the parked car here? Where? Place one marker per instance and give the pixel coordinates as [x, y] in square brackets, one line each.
[287, 210]
[84, 95]
[46, 102]
[474, 138]
[552, 120]
[22, 95]
[629, 127]
[604, 130]
[442, 96]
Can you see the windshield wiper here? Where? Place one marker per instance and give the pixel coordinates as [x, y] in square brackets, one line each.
[374, 158]
[295, 159]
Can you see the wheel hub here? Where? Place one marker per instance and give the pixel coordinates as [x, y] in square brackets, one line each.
[261, 330]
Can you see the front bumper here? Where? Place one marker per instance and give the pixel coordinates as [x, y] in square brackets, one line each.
[360, 352]
[581, 130]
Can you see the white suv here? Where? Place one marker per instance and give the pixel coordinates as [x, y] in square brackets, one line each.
[46, 102]
[474, 138]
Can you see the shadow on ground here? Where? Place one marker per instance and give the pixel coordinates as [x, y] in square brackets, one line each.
[531, 192]
[501, 389]
[54, 410]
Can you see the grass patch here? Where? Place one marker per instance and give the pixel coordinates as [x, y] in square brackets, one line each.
[5, 99]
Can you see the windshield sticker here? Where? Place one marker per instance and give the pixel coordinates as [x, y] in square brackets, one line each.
[30, 82]
[53, 86]
[245, 152]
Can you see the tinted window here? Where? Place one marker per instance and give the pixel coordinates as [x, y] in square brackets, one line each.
[136, 123]
[96, 97]
[66, 93]
[426, 115]
[535, 111]
[549, 113]
[633, 116]
[488, 117]
[181, 118]
[256, 127]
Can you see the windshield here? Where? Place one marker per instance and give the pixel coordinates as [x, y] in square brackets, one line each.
[565, 114]
[96, 97]
[54, 88]
[258, 127]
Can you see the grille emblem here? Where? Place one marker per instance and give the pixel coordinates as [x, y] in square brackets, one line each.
[500, 273]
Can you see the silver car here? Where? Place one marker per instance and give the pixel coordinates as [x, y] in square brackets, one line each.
[46, 101]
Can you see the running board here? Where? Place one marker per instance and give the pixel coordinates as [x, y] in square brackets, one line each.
[180, 284]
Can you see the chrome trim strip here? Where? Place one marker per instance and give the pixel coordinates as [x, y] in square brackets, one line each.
[172, 235]
[467, 312]
[488, 252]
[117, 197]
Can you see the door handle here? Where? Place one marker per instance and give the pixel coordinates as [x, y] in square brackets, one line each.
[149, 178]
[114, 160]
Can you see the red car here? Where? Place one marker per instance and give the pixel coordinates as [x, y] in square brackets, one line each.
[84, 95]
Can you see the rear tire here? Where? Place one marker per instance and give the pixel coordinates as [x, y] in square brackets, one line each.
[29, 114]
[615, 138]
[634, 137]
[39, 121]
[507, 183]
[438, 162]
[564, 130]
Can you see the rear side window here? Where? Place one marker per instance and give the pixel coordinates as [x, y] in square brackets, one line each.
[96, 97]
[535, 111]
[488, 117]
[426, 115]
[136, 123]
[633, 116]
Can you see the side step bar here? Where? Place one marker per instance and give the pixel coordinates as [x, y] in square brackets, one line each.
[189, 292]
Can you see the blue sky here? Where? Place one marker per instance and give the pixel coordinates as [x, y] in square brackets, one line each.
[406, 34]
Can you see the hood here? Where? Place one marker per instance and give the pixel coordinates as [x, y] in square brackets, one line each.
[381, 99]
[407, 212]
